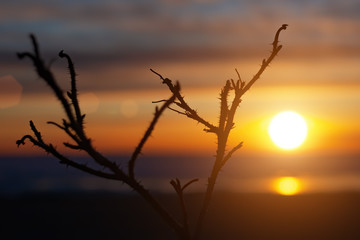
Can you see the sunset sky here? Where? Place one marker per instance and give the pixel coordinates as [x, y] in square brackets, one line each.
[200, 43]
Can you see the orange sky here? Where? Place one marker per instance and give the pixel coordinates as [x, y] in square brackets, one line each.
[330, 110]
[200, 44]
[116, 121]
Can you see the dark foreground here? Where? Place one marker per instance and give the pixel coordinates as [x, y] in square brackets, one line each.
[232, 216]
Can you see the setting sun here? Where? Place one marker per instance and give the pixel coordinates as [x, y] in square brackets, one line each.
[288, 130]
[287, 185]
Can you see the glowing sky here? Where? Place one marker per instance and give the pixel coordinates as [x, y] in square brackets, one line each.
[199, 43]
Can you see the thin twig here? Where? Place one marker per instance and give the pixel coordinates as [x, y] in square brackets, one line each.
[276, 49]
[191, 113]
[180, 192]
[73, 95]
[230, 153]
[177, 111]
[158, 113]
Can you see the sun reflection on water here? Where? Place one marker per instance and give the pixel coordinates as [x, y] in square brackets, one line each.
[287, 185]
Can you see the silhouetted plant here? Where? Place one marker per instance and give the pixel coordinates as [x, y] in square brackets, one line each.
[73, 126]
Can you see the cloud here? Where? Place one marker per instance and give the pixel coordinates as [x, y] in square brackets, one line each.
[115, 26]
[101, 35]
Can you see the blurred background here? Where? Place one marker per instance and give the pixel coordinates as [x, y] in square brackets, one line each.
[199, 43]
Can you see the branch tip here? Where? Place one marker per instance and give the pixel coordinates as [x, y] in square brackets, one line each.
[35, 45]
[61, 54]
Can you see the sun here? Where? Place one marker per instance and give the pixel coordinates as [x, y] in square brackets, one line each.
[287, 185]
[288, 130]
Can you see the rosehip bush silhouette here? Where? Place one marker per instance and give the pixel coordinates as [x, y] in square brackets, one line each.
[73, 126]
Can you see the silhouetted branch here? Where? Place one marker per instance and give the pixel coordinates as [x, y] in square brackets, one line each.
[49, 148]
[66, 128]
[222, 157]
[230, 153]
[35, 45]
[189, 112]
[224, 105]
[73, 95]
[276, 49]
[276, 38]
[177, 111]
[47, 76]
[157, 114]
[73, 126]
[180, 192]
